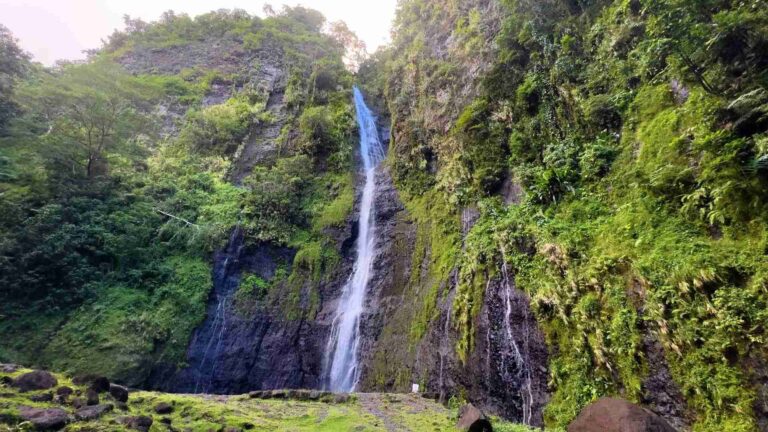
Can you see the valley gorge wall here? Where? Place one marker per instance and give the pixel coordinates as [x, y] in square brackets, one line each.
[570, 208]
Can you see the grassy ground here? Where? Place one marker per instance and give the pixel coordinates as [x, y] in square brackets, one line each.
[362, 412]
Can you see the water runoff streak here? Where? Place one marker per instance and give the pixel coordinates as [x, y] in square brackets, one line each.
[341, 356]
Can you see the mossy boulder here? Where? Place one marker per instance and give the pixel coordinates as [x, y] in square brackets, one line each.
[35, 380]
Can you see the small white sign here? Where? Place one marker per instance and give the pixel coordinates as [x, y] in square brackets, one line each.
[414, 388]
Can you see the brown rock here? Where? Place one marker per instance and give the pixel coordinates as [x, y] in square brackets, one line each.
[163, 408]
[91, 397]
[93, 412]
[8, 368]
[78, 402]
[139, 423]
[64, 391]
[472, 419]
[617, 415]
[45, 418]
[97, 382]
[42, 397]
[35, 380]
[118, 392]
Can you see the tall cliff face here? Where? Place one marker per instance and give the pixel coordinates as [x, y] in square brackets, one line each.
[558, 162]
[573, 205]
[277, 339]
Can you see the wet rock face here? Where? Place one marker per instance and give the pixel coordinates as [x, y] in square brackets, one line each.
[231, 353]
[510, 356]
[506, 373]
[660, 392]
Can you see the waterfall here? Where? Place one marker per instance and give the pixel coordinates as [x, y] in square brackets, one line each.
[522, 367]
[341, 355]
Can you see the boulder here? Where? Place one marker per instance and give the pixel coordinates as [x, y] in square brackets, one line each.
[98, 383]
[471, 419]
[91, 397]
[8, 368]
[6, 380]
[163, 408]
[139, 423]
[64, 391]
[35, 380]
[93, 411]
[118, 392]
[42, 397]
[45, 418]
[617, 415]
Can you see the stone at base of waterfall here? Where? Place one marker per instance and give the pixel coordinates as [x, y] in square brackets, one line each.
[35, 380]
[471, 419]
[118, 392]
[617, 415]
[93, 411]
[139, 423]
[45, 419]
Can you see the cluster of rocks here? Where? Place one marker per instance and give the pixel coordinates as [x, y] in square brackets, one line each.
[98, 398]
[603, 415]
[301, 395]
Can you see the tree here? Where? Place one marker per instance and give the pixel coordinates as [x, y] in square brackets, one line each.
[312, 19]
[354, 49]
[89, 111]
[13, 64]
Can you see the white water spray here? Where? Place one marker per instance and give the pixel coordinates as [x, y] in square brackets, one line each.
[341, 354]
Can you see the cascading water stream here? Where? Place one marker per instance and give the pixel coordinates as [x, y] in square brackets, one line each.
[341, 362]
[523, 368]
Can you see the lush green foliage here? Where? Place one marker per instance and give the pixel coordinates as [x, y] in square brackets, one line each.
[635, 131]
[110, 216]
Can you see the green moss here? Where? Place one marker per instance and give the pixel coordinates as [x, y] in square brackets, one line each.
[437, 244]
[336, 212]
[369, 412]
[120, 333]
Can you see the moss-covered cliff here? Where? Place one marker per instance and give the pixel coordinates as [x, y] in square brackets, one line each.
[615, 153]
[573, 205]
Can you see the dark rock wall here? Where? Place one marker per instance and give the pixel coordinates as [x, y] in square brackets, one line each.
[232, 353]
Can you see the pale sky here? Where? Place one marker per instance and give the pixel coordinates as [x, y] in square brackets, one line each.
[61, 29]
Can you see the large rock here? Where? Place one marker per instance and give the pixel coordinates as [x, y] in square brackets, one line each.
[472, 419]
[42, 397]
[618, 415]
[118, 392]
[139, 423]
[98, 383]
[91, 397]
[8, 367]
[93, 412]
[163, 408]
[35, 380]
[45, 418]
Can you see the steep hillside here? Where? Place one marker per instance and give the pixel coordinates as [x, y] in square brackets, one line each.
[604, 160]
[572, 205]
[127, 176]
